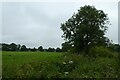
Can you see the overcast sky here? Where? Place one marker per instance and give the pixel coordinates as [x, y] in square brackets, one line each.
[38, 23]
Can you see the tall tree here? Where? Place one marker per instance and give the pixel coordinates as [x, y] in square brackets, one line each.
[18, 47]
[85, 29]
[5, 47]
[0, 47]
[58, 49]
[65, 46]
[13, 47]
[51, 49]
[40, 48]
[23, 48]
[34, 49]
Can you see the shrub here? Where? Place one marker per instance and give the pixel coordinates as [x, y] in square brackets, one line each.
[100, 51]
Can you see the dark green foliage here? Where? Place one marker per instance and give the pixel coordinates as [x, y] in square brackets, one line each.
[114, 47]
[85, 29]
[0, 47]
[51, 49]
[34, 49]
[13, 47]
[23, 48]
[5, 47]
[9, 47]
[40, 48]
[58, 49]
[18, 47]
[66, 46]
[100, 52]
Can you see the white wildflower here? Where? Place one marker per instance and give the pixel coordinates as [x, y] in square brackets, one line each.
[64, 62]
[66, 73]
[70, 62]
[40, 71]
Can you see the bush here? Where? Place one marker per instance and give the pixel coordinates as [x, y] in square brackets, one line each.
[100, 51]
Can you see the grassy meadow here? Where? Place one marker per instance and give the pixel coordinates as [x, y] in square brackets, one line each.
[0, 64]
[58, 65]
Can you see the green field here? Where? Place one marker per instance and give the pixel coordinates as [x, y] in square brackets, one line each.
[13, 61]
[0, 64]
[60, 65]
[26, 57]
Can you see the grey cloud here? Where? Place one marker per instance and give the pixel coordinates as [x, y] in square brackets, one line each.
[1, 22]
[119, 22]
[35, 24]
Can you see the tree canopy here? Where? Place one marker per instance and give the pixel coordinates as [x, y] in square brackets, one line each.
[23, 48]
[40, 48]
[86, 29]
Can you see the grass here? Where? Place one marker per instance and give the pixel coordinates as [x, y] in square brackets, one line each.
[25, 57]
[58, 65]
[0, 64]
[13, 61]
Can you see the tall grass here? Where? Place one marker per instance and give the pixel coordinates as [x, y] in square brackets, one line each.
[101, 64]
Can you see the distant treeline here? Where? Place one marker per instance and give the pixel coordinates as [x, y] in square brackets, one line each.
[65, 48]
[18, 47]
